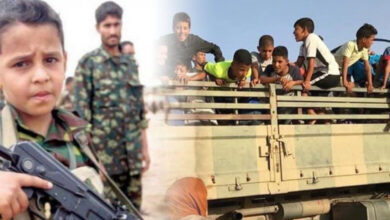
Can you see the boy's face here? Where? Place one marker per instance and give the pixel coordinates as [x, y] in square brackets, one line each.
[181, 70]
[128, 49]
[199, 57]
[182, 30]
[69, 87]
[110, 31]
[300, 33]
[32, 67]
[265, 52]
[280, 64]
[368, 41]
[239, 70]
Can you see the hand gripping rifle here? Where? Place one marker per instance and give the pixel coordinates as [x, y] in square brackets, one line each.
[72, 198]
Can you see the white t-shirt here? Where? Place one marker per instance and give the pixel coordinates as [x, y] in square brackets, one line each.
[256, 58]
[314, 47]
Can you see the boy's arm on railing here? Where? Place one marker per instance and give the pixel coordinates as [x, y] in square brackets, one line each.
[386, 74]
[288, 85]
[367, 69]
[344, 71]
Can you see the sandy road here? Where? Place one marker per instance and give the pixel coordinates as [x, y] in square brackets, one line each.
[168, 163]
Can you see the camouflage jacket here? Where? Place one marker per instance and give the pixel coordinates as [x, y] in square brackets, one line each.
[65, 101]
[109, 95]
[61, 140]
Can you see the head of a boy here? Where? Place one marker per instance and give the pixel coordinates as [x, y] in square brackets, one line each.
[109, 23]
[181, 25]
[302, 28]
[69, 83]
[32, 56]
[127, 47]
[199, 58]
[365, 35]
[280, 60]
[266, 46]
[181, 69]
[241, 64]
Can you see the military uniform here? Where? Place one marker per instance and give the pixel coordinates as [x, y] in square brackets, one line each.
[66, 101]
[109, 95]
[60, 140]
[66, 139]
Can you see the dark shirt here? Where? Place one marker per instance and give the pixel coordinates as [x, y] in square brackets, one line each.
[182, 52]
[293, 73]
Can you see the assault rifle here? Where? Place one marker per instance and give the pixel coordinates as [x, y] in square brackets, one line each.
[72, 198]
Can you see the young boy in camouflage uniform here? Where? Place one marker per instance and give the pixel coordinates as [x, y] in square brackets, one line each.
[32, 69]
[109, 95]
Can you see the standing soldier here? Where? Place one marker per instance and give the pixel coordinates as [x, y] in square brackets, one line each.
[109, 95]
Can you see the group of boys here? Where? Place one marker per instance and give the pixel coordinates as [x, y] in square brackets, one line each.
[316, 66]
[351, 64]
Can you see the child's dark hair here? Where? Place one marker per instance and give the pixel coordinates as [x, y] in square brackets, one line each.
[69, 80]
[280, 51]
[242, 56]
[305, 23]
[181, 17]
[180, 62]
[366, 31]
[30, 12]
[200, 50]
[124, 43]
[106, 9]
[266, 40]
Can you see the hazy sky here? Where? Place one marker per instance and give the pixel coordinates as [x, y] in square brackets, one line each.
[230, 24]
[239, 24]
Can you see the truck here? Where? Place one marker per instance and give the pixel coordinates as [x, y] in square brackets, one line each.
[260, 161]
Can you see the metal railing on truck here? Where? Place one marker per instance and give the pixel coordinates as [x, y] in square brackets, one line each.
[251, 169]
[271, 104]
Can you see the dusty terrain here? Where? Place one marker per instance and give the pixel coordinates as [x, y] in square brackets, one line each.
[168, 164]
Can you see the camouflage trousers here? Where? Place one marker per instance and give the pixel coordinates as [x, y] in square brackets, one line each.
[131, 186]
